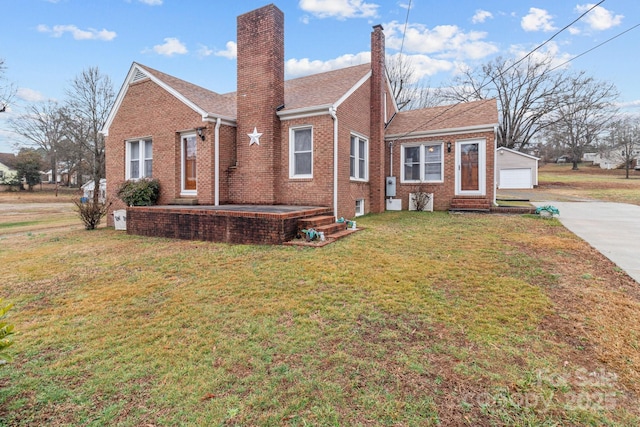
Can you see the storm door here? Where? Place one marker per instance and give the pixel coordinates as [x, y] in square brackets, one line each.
[189, 150]
[470, 168]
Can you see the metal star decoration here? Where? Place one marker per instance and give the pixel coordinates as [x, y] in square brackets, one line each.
[255, 137]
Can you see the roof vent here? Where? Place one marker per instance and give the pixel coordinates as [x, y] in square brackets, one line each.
[139, 75]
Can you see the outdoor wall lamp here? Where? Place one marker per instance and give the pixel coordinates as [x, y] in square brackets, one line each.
[449, 147]
[200, 132]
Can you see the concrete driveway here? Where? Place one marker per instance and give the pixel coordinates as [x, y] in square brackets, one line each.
[611, 228]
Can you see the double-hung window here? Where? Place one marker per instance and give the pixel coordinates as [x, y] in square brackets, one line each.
[301, 153]
[359, 158]
[422, 163]
[139, 159]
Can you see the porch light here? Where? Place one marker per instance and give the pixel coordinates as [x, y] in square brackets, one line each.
[200, 132]
[449, 147]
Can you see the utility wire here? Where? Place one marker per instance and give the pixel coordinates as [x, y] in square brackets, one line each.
[431, 120]
[595, 47]
[406, 23]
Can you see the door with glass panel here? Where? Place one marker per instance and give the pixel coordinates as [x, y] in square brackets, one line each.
[189, 164]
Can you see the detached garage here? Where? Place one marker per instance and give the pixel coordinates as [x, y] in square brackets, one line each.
[516, 169]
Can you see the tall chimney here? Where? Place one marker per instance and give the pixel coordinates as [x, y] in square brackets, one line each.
[260, 93]
[377, 146]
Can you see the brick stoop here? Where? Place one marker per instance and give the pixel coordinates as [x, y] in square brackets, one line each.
[323, 223]
[470, 204]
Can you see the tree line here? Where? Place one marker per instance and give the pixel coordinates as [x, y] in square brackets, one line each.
[543, 107]
[66, 135]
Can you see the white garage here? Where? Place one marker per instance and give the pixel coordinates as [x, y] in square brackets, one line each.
[516, 170]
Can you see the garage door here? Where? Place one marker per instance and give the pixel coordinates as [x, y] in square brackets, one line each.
[515, 178]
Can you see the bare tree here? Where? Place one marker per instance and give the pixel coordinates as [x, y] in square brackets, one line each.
[408, 91]
[582, 114]
[43, 127]
[526, 91]
[624, 137]
[90, 99]
[7, 90]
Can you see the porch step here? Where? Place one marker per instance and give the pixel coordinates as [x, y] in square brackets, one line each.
[322, 223]
[473, 204]
[184, 201]
[315, 221]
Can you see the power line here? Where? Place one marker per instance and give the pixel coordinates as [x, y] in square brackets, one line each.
[595, 47]
[406, 23]
[510, 67]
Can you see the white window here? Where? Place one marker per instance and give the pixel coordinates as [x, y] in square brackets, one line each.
[422, 163]
[359, 158]
[139, 159]
[359, 207]
[301, 153]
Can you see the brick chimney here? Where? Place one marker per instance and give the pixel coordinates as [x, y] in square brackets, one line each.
[377, 145]
[260, 92]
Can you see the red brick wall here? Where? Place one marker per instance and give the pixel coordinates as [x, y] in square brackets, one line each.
[316, 191]
[353, 116]
[146, 111]
[260, 36]
[445, 191]
[376, 142]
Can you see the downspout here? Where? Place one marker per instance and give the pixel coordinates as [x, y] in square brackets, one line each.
[495, 169]
[334, 116]
[216, 162]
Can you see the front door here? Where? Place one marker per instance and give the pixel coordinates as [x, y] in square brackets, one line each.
[189, 163]
[470, 168]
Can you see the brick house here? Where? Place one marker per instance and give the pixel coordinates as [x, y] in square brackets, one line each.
[326, 140]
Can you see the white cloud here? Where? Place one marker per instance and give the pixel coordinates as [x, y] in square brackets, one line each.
[443, 41]
[339, 9]
[305, 66]
[481, 16]
[551, 49]
[599, 18]
[172, 46]
[204, 51]
[30, 95]
[77, 33]
[152, 2]
[537, 20]
[426, 66]
[231, 51]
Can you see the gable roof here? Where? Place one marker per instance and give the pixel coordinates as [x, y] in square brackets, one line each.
[519, 153]
[8, 159]
[462, 117]
[315, 91]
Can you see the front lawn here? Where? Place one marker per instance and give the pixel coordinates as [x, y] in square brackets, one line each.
[420, 319]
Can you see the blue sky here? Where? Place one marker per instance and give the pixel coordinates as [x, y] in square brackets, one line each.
[45, 43]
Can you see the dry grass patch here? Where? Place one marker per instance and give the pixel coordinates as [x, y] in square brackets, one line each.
[420, 319]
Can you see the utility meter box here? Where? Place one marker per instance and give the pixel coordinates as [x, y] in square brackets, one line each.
[391, 186]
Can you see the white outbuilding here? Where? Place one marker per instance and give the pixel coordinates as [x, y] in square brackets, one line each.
[515, 170]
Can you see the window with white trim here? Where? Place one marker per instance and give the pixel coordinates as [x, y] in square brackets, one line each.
[359, 158]
[423, 162]
[301, 152]
[139, 159]
[359, 207]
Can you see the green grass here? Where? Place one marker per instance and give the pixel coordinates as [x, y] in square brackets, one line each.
[18, 224]
[420, 319]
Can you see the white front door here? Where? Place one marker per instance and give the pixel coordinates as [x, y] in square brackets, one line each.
[470, 168]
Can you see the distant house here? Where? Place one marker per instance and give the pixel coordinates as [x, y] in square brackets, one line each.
[516, 170]
[88, 188]
[7, 167]
[327, 140]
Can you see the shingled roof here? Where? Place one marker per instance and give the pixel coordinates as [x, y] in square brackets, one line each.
[466, 115]
[8, 159]
[304, 92]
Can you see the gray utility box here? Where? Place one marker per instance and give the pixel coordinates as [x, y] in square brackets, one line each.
[391, 186]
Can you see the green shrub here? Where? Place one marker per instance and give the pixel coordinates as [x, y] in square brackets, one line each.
[5, 330]
[143, 192]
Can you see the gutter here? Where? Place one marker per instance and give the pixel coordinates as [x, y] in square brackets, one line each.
[334, 116]
[216, 167]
